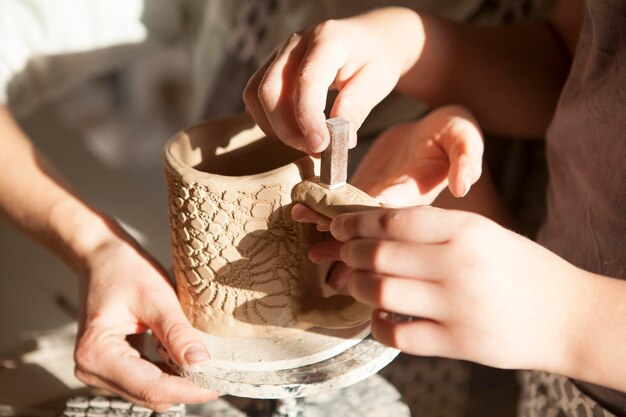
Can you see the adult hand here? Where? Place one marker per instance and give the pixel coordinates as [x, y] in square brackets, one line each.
[362, 56]
[124, 293]
[479, 292]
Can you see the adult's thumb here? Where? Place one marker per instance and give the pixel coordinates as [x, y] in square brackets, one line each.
[180, 340]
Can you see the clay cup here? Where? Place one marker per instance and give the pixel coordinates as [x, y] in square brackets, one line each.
[240, 261]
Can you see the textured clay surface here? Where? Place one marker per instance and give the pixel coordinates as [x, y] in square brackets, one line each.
[332, 203]
[240, 261]
[234, 258]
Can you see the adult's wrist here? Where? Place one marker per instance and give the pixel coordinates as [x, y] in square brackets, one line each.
[81, 231]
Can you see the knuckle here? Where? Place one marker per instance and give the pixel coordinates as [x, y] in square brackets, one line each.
[84, 356]
[249, 94]
[379, 256]
[176, 333]
[389, 334]
[398, 338]
[264, 92]
[304, 115]
[307, 74]
[82, 376]
[472, 229]
[354, 284]
[152, 397]
[347, 108]
[326, 28]
[348, 253]
[383, 292]
[390, 221]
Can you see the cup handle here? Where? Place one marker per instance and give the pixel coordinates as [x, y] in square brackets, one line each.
[336, 311]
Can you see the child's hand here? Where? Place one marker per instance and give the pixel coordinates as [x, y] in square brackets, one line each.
[481, 292]
[411, 163]
[362, 56]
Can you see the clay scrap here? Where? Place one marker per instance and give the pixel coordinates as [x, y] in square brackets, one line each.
[332, 203]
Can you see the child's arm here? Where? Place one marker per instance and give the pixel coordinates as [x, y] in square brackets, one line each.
[510, 77]
[123, 291]
[482, 293]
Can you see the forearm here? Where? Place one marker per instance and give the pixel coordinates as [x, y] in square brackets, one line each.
[510, 77]
[597, 350]
[35, 199]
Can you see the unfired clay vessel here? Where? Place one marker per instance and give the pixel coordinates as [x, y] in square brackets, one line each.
[240, 261]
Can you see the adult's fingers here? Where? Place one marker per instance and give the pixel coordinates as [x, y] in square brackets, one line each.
[275, 91]
[411, 297]
[421, 337]
[106, 360]
[423, 224]
[401, 259]
[172, 328]
[95, 381]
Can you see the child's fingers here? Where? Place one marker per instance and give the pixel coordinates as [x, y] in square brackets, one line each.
[275, 91]
[401, 295]
[338, 276]
[304, 214]
[418, 337]
[325, 251]
[423, 224]
[464, 172]
[463, 142]
[251, 98]
[402, 259]
[360, 95]
[323, 60]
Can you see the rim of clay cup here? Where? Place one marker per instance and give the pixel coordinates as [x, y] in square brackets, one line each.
[193, 175]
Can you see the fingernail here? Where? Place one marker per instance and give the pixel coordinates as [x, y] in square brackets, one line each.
[339, 279]
[323, 227]
[315, 257]
[197, 358]
[315, 143]
[336, 228]
[335, 283]
[384, 315]
[468, 185]
[297, 213]
[400, 318]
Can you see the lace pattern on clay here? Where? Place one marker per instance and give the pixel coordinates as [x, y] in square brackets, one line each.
[231, 254]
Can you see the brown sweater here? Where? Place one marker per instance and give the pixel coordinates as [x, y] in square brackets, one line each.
[586, 220]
